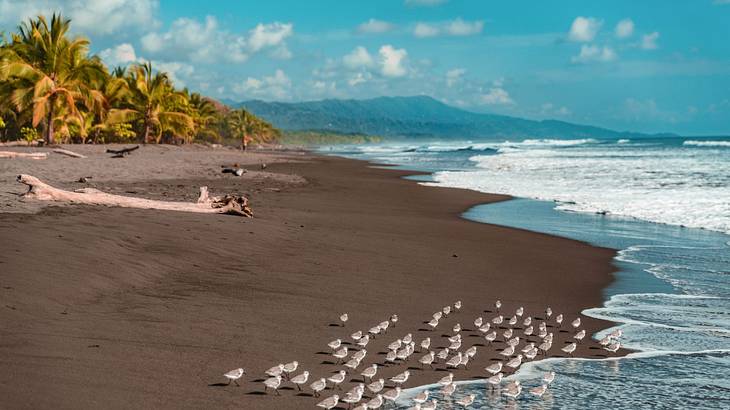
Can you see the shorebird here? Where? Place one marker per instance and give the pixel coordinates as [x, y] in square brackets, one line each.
[446, 310]
[290, 367]
[276, 370]
[512, 321]
[431, 405]
[464, 361]
[548, 338]
[335, 344]
[542, 333]
[448, 390]
[318, 386]
[559, 319]
[234, 375]
[616, 334]
[485, 328]
[605, 341]
[344, 318]
[613, 347]
[407, 338]
[516, 362]
[455, 345]
[520, 311]
[498, 320]
[478, 322]
[455, 361]
[384, 326]
[508, 351]
[273, 383]
[490, 337]
[421, 397]
[360, 354]
[497, 305]
[340, 354]
[352, 364]
[527, 321]
[495, 380]
[531, 354]
[513, 389]
[580, 335]
[395, 345]
[433, 323]
[576, 323]
[357, 390]
[507, 334]
[329, 403]
[548, 377]
[391, 356]
[392, 394]
[427, 359]
[369, 372]
[466, 401]
[569, 349]
[454, 338]
[363, 341]
[494, 368]
[448, 379]
[376, 386]
[514, 341]
[443, 354]
[337, 378]
[539, 390]
[548, 312]
[402, 354]
[545, 346]
[457, 328]
[471, 352]
[528, 331]
[457, 305]
[375, 402]
[357, 335]
[374, 331]
[401, 378]
[352, 397]
[438, 315]
[528, 347]
[300, 379]
[394, 319]
[426, 343]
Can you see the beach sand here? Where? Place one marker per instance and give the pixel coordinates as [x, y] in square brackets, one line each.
[129, 308]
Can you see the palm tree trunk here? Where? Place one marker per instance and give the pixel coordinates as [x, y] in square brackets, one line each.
[49, 125]
[244, 142]
[146, 132]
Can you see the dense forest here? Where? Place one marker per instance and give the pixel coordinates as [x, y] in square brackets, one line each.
[53, 90]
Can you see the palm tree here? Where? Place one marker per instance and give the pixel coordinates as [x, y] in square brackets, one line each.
[151, 102]
[49, 73]
[241, 125]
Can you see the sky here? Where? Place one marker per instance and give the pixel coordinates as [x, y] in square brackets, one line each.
[650, 65]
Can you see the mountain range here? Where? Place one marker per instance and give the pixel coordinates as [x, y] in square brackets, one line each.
[413, 117]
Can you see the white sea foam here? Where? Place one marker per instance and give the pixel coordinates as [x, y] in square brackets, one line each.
[694, 143]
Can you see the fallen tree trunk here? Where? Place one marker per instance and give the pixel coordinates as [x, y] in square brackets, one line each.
[119, 153]
[68, 153]
[20, 143]
[31, 155]
[229, 204]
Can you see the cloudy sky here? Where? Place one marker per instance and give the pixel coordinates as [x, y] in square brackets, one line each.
[651, 65]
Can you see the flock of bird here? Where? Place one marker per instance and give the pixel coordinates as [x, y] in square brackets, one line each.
[525, 338]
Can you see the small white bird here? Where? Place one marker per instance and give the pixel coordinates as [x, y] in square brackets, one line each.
[401, 378]
[569, 349]
[318, 386]
[438, 315]
[329, 403]
[363, 341]
[497, 305]
[516, 362]
[466, 401]
[407, 338]
[455, 345]
[394, 319]
[352, 364]
[576, 323]
[545, 346]
[580, 335]
[353, 397]
[374, 331]
[454, 338]
[375, 402]
[478, 322]
[455, 360]
[430, 405]
[605, 341]
[514, 341]
[559, 319]
[464, 361]
[539, 390]
[507, 334]
[527, 321]
[421, 397]
[395, 345]
[448, 379]
[495, 380]
[616, 334]
[391, 356]
[485, 328]
[528, 331]
[384, 326]
[498, 320]
[443, 354]
[427, 359]
[613, 347]
[471, 352]
[335, 344]
[530, 354]
[376, 386]
[446, 310]
[300, 379]
[457, 328]
[234, 375]
[357, 335]
[344, 318]
[426, 343]
[548, 377]
[494, 368]
[276, 370]
[369, 372]
[392, 394]
[457, 305]
[360, 354]
[337, 378]
[433, 323]
[512, 321]
[508, 351]
[290, 367]
[490, 337]
[340, 354]
[548, 312]
[513, 389]
[528, 347]
[520, 311]
[273, 383]
[448, 390]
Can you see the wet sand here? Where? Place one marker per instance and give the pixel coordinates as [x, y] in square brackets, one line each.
[123, 308]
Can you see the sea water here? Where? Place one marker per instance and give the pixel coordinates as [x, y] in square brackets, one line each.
[663, 204]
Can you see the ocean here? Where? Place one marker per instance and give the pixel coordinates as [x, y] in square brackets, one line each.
[663, 204]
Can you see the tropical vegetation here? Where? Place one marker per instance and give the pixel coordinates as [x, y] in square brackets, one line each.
[52, 87]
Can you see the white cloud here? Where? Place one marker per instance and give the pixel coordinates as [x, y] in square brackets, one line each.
[624, 28]
[205, 41]
[359, 78]
[277, 86]
[392, 61]
[358, 58]
[549, 109]
[648, 41]
[119, 55]
[454, 76]
[457, 27]
[102, 17]
[584, 29]
[593, 53]
[375, 26]
[496, 96]
[177, 72]
[425, 2]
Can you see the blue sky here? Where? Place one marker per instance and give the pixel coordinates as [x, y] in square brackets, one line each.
[651, 65]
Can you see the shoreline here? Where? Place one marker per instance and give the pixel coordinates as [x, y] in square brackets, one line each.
[189, 297]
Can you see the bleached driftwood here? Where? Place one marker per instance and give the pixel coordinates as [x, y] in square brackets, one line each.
[20, 143]
[229, 204]
[31, 155]
[68, 153]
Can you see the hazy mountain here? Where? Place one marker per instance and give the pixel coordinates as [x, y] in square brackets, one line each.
[415, 117]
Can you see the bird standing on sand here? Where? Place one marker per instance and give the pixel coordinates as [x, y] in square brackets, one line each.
[613, 347]
[384, 325]
[234, 375]
[344, 318]
[508, 351]
[457, 328]
[394, 319]
[427, 359]
[426, 343]
[446, 310]
[353, 396]
[494, 368]
[520, 311]
[569, 349]
[455, 361]
[438, 315]
[484, 328]
[498, 320]
[433, 323]
[369, 372]
[300, 379]
[352, 364]
[548, 312]
[507, 334]
[516, 362]
[478, 322]
[357, 335]
[374, 331]
[580, 335]
[375, 402]
[276, 370]
[318, 386]
[512, 321]
[559, 320]
[335, 344]
[291, 367]
[490, 337]
[539, 390]
[363, 341]
[376, 386]
[337, 378]
[528, 331]
[446, 379]
[497, 305]
[457, 305]
[273, 383]
[395, 345]
[401, 378]
[407, 338]
[466, 401]
[576, 323]
[443, 354]
[340, 354]
[471, 352]
[329, 403]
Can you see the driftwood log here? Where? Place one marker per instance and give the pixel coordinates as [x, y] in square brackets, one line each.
[119, 153]
[229, 204]
[68, 153]
[31, 155]
[21, 143]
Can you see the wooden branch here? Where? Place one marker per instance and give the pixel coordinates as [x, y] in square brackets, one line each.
[119, 153]
[31, 155]
[20, 143]
[68, 153]
[229, 204]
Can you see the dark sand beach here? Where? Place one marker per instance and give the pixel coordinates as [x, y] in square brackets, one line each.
[129, 308]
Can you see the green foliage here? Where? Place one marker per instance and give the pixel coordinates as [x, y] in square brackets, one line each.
[29, 134]
[2, 123]
[122, 131]
[325, 138]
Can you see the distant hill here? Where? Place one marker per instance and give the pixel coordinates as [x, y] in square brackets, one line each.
[418, 116]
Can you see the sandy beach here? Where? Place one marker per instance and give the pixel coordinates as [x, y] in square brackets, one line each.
[126, 308]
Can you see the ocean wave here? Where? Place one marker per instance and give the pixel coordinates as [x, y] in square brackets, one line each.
[696, 143]
[559, 142]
